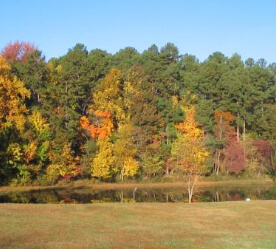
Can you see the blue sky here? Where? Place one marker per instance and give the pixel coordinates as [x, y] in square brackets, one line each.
[198, 27]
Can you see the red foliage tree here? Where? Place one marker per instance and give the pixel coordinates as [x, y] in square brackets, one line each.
[17, 51]
[264, 150]
[234, 157]
[267, 156]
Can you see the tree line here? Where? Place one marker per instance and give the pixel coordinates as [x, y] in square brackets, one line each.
[131, 115]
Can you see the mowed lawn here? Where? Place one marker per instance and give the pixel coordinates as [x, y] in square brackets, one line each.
[139, 225]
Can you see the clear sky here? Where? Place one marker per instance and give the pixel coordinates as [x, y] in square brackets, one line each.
[198, 27]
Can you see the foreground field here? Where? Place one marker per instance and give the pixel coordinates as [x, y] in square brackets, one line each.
[145, 225]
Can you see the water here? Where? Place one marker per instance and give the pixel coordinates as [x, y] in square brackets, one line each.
[84, 195]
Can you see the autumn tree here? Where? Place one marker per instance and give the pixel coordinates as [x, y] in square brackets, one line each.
[101, 128]
[125, 151]
[107, 96]
[63, 166]
[189, 151]
[17, 51]
[27, 151]
[103, 162]
[37, 137]
[266, 156]
[257, 154]
[13, 94]
[106, 114]
[12, 120]
[234, 157]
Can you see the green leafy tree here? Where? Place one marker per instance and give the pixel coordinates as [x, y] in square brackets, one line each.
[125, 59]
[33, 71]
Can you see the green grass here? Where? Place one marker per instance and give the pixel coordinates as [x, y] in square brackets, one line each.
[139, 225]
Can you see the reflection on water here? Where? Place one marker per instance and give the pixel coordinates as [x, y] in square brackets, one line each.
[79, 195]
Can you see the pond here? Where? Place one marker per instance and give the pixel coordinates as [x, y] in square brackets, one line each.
[86, 195]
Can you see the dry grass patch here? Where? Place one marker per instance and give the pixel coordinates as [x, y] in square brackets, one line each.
[145, 225]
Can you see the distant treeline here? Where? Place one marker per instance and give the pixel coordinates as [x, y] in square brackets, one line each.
[133, 115]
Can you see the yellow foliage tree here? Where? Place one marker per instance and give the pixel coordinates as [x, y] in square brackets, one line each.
[13, 94]
[38, 123]
[104, 159]
[36, 149]
[103, 162]
[30, 151]
[125, 151]
[64, 165]
[108, 95]
[189, 151]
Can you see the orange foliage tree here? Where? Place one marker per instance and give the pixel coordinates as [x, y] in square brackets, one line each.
[103, 126]
[108, 112]
[102, 129]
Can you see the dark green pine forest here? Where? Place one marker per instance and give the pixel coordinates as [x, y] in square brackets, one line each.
[133, 116]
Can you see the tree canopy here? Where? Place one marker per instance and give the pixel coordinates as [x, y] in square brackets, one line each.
[91, 114]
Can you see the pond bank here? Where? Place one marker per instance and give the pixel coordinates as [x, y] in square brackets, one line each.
[113, 186]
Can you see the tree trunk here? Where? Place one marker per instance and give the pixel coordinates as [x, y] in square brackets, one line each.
[190, 196]
[66, 103]
[122, 174]
[218, 162]
[167, 170]
[134, 194]
[220, 128]
[190, 186]
[167, 135]
[122, 196]
[238, 128]
[243, 135]
[217, 168]
[259, 173]
[217, 197]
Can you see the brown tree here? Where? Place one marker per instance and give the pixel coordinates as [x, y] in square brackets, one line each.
[223, 132]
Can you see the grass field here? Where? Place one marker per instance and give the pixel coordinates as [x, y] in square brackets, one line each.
[146, 225]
